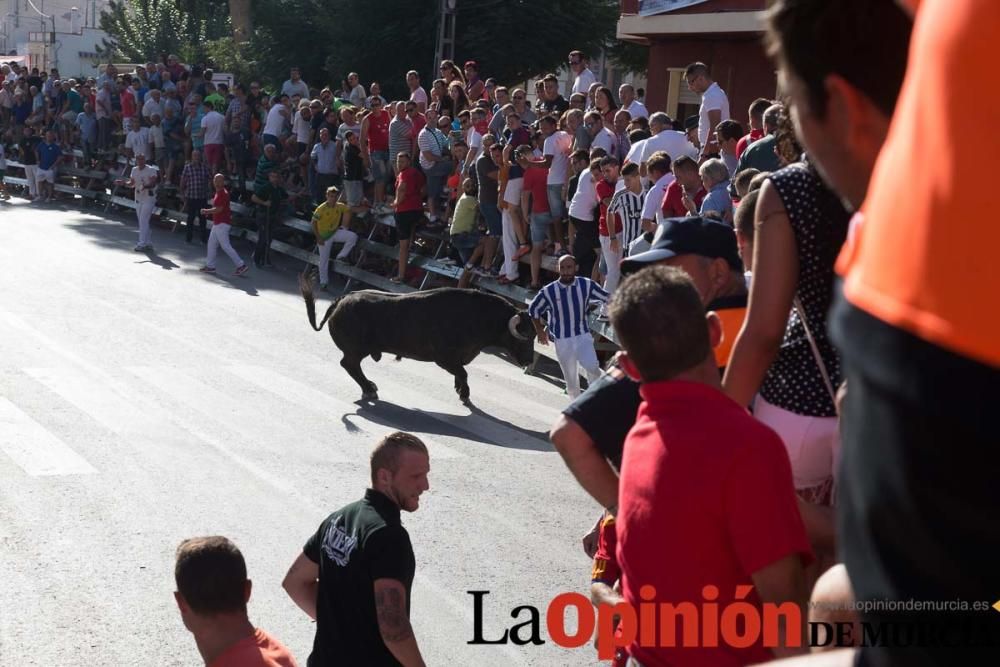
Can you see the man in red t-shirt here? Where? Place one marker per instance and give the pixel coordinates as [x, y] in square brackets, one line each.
[707, 509]
[222, 218]
[212, 594]
[375, 146]
[609, 237]
[535, 208]
[128, 104]
[756, 115]
[686, 181]
[409, 206]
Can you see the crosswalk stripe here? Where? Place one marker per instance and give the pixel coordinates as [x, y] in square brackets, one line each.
[98, 399]
[233, 414]
[126, 412]
[32, 447]
[323, 403]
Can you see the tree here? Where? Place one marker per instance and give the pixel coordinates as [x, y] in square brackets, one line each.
[242, 20]
[142, 29]
[512, 40]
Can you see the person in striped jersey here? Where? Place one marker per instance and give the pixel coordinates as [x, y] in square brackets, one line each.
[563, 303]
[626, 207]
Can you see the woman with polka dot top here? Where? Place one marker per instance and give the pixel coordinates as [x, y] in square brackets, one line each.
[800, 226]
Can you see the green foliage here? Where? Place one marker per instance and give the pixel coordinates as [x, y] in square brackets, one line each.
[225, 55]
[511, 39]
[629, 56]
[142, 29]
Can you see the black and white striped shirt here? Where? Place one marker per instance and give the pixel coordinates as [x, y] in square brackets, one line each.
[626, 206]
[566, 306]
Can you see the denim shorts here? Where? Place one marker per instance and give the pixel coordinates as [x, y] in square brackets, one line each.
[380, 165]
[494, 223]
[465, 243]
[541, 223]
[353, 192]
[556, 205]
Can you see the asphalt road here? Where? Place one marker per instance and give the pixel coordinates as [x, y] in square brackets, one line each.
[142, 402]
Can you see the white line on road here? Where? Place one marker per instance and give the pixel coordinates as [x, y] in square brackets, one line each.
[251, 422]
[31, 446]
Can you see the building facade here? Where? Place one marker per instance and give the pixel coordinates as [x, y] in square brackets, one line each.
[47, 34]
[726, 35]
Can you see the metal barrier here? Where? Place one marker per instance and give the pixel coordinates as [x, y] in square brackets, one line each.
[433, 268]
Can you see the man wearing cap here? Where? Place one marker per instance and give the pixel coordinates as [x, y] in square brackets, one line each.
[591, 432]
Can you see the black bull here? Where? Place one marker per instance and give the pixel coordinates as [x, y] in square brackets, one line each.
[447, 326]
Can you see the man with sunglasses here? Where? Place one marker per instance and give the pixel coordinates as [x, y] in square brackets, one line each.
[584, 77]
[519, 99]
[375, 145]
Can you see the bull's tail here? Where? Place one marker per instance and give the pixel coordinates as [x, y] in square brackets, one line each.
[306, 288]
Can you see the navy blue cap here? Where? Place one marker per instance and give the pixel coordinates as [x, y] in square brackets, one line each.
[694, 235]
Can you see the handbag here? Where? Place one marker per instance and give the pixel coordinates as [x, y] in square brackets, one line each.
[797, 303]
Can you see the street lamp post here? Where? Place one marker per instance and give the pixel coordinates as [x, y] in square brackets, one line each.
[446, 36]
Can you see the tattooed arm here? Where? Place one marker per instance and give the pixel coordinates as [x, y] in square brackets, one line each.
[394, 622]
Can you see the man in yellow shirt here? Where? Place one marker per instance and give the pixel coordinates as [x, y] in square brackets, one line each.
[330, 223]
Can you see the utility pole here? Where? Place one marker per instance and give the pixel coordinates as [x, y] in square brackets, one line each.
[446, 36]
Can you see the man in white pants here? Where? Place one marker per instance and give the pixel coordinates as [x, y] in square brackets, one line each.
[222, 217]
[143, 178]
[330, 222]
[564, 304]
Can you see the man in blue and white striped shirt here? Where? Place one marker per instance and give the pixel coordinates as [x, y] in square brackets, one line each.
[564, 303]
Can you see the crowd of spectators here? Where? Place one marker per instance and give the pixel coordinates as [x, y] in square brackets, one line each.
[714, 439]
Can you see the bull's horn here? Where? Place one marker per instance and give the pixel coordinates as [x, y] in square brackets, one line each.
[512, 327]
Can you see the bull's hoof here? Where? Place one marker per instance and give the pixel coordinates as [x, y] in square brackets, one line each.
[369, 396]
[376, 356]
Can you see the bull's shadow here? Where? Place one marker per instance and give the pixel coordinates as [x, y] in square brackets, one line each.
[398, 417]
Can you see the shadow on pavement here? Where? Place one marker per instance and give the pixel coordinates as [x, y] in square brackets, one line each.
[410, 419]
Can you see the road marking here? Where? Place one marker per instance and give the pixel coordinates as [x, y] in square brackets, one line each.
[99, 400]
[243, 417]
[322, 403]
[37, 451]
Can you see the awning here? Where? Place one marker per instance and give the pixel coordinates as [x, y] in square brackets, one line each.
[653, 7]
[13, 59]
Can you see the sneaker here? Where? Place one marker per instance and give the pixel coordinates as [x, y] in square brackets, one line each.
[396, 280]
[211, 269]
[481, 272]
[241, 270]
[324, 287]
[139, 248]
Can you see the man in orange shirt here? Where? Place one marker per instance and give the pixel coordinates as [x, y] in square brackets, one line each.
[212, 594]
[918, 323]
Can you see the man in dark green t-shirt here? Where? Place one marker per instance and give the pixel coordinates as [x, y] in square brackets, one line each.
[355, 574]
[269, 198]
